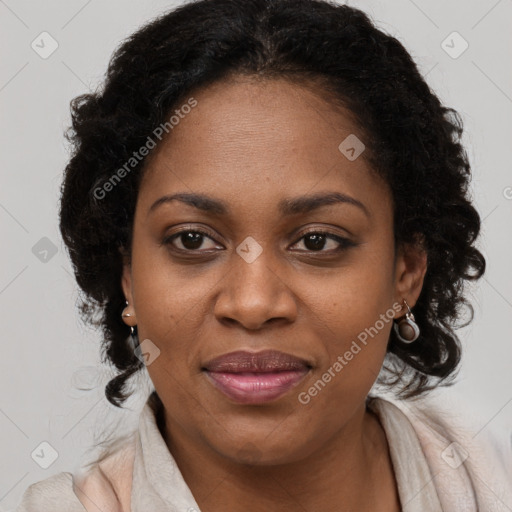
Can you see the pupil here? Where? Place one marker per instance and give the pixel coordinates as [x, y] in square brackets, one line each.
[191, 240]
[318, 241]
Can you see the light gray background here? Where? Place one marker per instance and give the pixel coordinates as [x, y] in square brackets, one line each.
[47, 353]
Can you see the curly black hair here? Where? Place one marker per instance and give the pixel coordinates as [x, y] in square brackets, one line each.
[412, 142]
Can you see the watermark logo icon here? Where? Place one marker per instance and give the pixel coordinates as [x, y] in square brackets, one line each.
[44, 455]
[249, 249]
[44, 250]
[351, 147]
[44, 45]
[454, 45]
[454, 455]
[147, 352]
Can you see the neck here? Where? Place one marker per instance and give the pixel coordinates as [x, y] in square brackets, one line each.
[351, 471]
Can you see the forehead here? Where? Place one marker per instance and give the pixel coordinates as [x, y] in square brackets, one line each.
[259, 141]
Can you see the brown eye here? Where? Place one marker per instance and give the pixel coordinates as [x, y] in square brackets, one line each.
[190, 240]
[316, 241]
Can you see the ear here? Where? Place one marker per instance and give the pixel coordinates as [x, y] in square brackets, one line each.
[410, 270]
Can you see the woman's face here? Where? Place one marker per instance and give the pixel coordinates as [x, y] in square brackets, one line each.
[260, 279]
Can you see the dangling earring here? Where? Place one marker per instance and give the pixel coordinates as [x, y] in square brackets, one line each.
[133, 340]
[407, 329]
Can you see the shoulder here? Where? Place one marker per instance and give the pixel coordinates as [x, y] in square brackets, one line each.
[107, 483]
[464, 451]
[52, 494]
[104, 485]
[445, 419]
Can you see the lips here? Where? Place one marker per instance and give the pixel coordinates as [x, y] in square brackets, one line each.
[255, 377]
[261, 362]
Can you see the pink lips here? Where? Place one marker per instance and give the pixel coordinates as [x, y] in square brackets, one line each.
[255, 377]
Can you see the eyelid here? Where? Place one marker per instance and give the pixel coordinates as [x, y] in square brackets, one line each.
[319, 230]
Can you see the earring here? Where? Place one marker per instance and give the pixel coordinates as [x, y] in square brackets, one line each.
[407, 329]
[134, 339]
[125, 314]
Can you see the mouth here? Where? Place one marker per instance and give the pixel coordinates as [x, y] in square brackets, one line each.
[256, 377]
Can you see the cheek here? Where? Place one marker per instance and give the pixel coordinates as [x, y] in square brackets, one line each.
[167, 296]
[352, 362]
[353, 298]
[166, 306]
[356, 313]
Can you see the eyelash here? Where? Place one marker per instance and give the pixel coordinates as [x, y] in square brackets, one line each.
[345, 243]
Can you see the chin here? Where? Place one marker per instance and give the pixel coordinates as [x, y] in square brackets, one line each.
[262, 450]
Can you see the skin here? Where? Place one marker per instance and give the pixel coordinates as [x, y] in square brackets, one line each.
[252, 144]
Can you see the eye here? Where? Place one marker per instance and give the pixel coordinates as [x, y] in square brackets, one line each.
[317, 240]
[190, 240]
[193, 240]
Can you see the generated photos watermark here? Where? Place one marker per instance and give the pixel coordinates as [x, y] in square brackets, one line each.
[342, 360]
[137, 156]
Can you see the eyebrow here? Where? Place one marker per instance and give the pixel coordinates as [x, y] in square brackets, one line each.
[287, 207]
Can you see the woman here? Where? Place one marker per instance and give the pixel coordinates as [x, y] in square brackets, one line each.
[268, 206]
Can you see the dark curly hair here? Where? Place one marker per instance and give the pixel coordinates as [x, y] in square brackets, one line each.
[412, 141]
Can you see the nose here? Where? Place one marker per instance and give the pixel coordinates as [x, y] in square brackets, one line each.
[254, 294]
